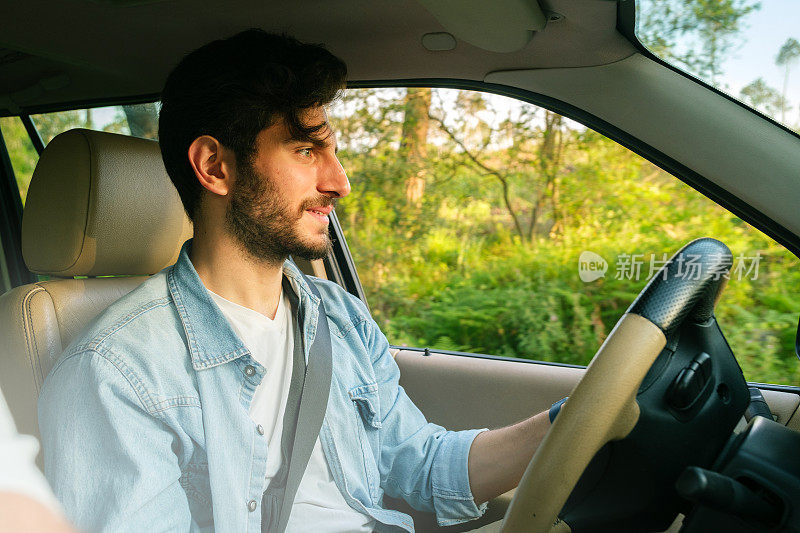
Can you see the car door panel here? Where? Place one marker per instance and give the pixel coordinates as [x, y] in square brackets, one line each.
[460, 392]
[468, 391]
[784, 406]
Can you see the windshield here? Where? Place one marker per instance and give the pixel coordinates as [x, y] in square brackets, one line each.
[745, 48]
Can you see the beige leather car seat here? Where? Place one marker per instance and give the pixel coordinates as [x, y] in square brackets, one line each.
[99, 204]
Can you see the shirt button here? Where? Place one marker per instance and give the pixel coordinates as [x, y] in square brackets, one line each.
[249, 370]
[252, 505]
[260, 429]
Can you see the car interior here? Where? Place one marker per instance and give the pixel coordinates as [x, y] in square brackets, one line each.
[635, 451]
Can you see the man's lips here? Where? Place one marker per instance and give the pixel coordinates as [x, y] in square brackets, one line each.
[322, 211]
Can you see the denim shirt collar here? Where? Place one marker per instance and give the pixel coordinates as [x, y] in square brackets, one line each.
[210, 338]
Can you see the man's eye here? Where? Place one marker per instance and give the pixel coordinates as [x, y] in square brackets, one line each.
[305, 152]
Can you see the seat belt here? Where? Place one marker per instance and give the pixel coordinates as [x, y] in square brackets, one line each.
[305, 411]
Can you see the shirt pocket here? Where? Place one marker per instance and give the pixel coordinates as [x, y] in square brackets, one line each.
[366, 405]
[365, 398]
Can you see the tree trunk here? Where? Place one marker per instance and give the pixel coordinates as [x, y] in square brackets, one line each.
[543, 216]
[784, 102]
[414, 141]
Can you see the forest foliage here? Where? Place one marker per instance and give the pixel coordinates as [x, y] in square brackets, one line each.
[469, 212]
[486, 258]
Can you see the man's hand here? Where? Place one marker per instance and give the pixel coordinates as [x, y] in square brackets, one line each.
[498, 458]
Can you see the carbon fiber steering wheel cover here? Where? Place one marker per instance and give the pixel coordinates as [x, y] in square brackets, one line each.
[686, 287]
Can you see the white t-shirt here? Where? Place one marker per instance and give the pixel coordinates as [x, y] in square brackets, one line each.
[318, 505]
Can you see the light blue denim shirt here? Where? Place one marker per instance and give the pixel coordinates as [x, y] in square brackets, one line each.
[145, 424]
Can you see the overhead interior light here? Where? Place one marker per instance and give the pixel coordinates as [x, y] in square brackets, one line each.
[496, 26]
[438, 42]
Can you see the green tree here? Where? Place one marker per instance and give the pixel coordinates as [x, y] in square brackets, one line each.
[521, 153]
[718, 25]
[51, 124]
[787, 56]
[21, 152]
[698, 34]
[763, 97]
[454, 273]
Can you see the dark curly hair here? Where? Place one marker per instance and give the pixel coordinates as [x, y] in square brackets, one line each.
[233, 88]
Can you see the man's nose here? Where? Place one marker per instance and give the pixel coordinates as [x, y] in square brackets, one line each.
[333, 181]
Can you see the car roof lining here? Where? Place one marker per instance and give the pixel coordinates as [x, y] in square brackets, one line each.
[110, 51]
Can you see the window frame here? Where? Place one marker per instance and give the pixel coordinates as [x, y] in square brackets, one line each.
[33, 133]
[689, 177]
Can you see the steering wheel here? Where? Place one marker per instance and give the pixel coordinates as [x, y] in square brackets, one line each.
[603, 406]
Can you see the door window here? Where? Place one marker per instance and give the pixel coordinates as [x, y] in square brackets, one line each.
[482, 224]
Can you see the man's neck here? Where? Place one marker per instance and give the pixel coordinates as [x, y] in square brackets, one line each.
[229, 271]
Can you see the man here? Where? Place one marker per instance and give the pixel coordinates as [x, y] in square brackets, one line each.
[188, 387]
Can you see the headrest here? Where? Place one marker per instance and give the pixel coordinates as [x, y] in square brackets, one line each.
[101, 204]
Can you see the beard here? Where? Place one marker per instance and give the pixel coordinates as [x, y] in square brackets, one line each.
[266, 226]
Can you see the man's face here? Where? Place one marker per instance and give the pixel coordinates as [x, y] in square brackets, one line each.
[280, 200]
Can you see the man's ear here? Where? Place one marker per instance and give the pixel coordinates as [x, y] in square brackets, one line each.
[209, 162]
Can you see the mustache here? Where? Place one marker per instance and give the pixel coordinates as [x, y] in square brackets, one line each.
[320, 201]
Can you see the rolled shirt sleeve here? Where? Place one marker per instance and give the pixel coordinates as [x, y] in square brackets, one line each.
[452, 498]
